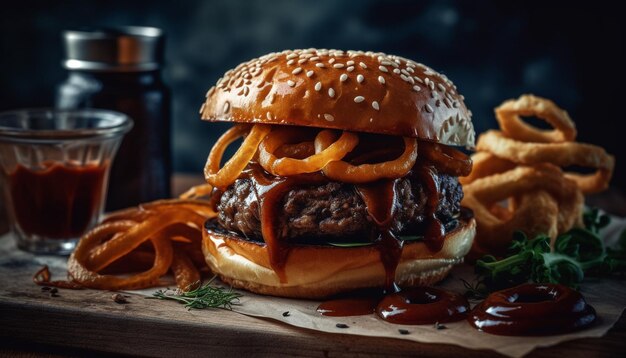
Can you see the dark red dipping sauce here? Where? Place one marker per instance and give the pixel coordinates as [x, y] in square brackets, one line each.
[58, 201]
[533, 310]
[415, 305]
[423, 305]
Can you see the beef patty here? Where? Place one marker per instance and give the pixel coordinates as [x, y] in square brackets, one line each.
[334, 211]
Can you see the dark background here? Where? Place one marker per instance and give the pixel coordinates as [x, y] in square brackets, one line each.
[493, 50]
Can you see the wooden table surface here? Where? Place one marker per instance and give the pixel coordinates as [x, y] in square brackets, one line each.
[89, 323]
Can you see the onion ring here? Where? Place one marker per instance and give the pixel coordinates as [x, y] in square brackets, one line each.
[540, 192]
[79, 272]
[298, 150]
[345, 172]
[103, 255]
[446, 159]
[561, 154]
[485, 164]
[289, 166]
[508, 115]
[221, 178]
[185, 273]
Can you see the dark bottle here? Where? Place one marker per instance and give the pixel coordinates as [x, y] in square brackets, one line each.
[120, 69]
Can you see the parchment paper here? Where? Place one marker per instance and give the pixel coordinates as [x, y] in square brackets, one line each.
[607, 296]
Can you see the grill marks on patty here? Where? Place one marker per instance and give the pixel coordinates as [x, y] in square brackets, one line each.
[333, 210]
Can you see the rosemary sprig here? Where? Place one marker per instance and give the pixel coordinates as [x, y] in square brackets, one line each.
[205, 296]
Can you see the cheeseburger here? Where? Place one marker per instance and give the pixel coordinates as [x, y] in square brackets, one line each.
[346, 176]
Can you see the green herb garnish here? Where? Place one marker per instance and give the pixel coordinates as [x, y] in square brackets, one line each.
[576, 253]
[205, 296]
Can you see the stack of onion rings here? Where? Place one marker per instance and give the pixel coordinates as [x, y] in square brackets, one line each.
[523, 164]
[287, 151]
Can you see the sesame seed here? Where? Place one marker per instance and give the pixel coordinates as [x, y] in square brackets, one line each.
[301, 61]
[396, 71]
[318, 86]
[362, 65]
[447, 102]
[427, 81]
[320, 65]
[375, 105]
[310, 74]
[441, 87]
[338, 65]
[385, 63]
[296, 71]
[359, 99]
[404, 72]
[381, 79]
[331, 92]
[290, 56]
[290, 62]
[350, 69]
[428, 108]
[350, 63]
[404, 78]
[371, 120]
[418, 79]
[328, 117]
[331, 61]
[314, 58]
[360, 78]
[291, 83]
[226, 107]
[462, 97]
[383, 68]
[343, 77]
[246, 90]
[410, 69]
[416, 88]
[202, 108]
[431, 85]
[269, 116]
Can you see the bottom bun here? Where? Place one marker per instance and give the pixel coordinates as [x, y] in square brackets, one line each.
[321, 271]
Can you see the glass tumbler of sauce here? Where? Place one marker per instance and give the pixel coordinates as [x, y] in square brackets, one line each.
[54, 167]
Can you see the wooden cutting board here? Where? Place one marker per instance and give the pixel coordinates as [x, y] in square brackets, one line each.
[90, 319]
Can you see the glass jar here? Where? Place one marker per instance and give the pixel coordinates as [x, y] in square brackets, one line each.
[120, 69]
[54, 166]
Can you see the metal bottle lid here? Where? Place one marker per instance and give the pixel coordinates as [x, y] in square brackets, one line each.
[114, 49]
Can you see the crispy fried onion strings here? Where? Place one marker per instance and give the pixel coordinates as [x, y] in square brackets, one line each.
[289, 166]
[109, 256]
[225, 176]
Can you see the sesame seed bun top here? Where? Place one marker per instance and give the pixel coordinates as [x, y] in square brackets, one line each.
[349, 90]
